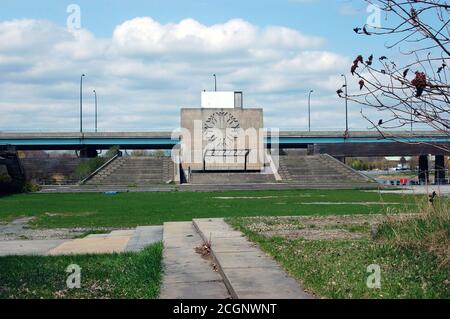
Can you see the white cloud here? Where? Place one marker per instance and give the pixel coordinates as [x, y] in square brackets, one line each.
[147, 71]
[147, 36]
[23, 36]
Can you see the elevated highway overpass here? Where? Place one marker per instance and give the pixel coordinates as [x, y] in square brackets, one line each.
[362, 143]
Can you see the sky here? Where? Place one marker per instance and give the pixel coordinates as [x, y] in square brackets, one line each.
[147, 59]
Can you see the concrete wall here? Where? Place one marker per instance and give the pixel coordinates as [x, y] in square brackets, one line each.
[240, 129]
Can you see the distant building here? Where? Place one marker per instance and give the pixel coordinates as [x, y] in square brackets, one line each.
[222, 100]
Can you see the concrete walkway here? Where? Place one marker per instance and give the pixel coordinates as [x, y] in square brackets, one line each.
[187, 275]
[92, 245]
[28, 247]
[118, 241]
[144, 236]
[236, 267]
[247, 271]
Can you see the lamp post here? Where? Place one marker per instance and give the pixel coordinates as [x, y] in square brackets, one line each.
[95, 96]
[215, 82]
[346, 103]
[81, 102]
[309, 110]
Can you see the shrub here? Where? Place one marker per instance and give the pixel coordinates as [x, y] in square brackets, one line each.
[359, 165]
[139, 153]
[88, 166]
[427, 226]
[158, 153]
[4, 178]
[31, 187]
[113, 150]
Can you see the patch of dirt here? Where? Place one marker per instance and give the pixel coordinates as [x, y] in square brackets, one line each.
[266, 197]
[318, 234]
[345, 227]
[19, 229]
[350, 203]
[70, 214]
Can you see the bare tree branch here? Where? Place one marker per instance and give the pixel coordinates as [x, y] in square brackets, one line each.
[414, 89]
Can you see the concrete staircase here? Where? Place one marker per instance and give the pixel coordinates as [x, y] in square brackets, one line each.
[230, 178]
[136, 171]
[321, 171]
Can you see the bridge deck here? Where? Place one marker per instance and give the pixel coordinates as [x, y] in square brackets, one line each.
[167, 140]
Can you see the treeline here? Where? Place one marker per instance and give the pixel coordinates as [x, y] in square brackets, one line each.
[367, 164]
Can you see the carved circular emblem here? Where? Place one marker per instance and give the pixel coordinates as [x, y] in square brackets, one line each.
[221, 129]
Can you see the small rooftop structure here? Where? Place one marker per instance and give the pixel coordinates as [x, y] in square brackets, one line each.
[222, 100]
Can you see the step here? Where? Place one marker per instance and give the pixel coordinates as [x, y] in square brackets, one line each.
[129, 170]
[186, 274]
[230, 178]
[130, 186]
[134, 176]
[247, 271]
[131, 178]
[319, 170]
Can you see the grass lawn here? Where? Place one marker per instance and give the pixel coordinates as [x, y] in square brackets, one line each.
[129, 275]
[132, 209]
[337, 268]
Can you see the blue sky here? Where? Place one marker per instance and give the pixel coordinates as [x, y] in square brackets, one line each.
[332, 19]
[146, 59]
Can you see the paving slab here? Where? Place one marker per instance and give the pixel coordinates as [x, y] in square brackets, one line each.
[267, 283]
[247, 259]
[194, 290]
[233, 245]
[247, 273]
[121, 232]
[28, 247]
[190, 276]
[93, 245]
[97, 236]
[144, 236]
[187, 275]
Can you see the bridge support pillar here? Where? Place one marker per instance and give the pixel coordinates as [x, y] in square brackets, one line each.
[88, 152]
[439, 173]
[424, 173]
[15, 170]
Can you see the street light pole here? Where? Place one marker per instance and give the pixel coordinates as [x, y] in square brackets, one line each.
[81, 102]
[95, 95]
[346, 103]
[215, 82]
[309, 110]
[411, 122]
